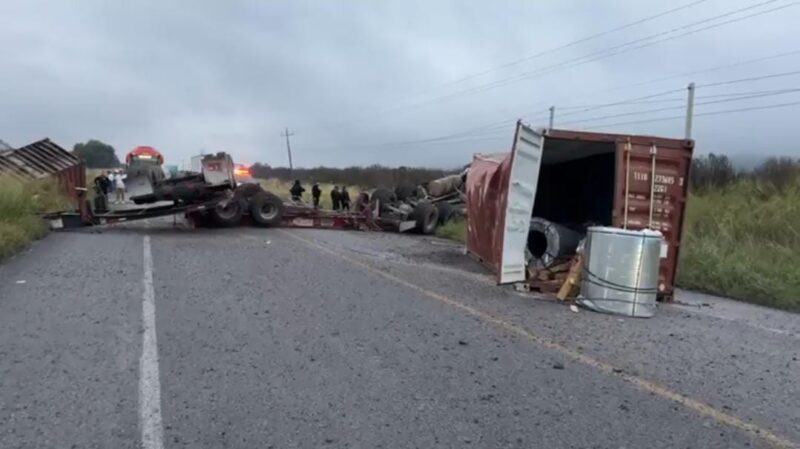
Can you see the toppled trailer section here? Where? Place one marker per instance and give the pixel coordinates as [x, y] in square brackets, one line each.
[213, 198]
[575, 180]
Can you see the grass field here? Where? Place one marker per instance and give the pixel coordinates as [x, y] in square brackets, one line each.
[19, 205]
[281, 188]
[743, 241]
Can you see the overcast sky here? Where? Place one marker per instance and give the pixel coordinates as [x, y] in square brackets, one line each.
[362, 82]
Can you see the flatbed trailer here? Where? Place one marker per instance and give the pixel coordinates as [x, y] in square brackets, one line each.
[289, 214]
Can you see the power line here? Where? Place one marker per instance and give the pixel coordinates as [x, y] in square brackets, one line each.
[500, 126]
[707, 85]
[609, 52]
[575, 42]
[676, 76]
[702, 114]
[754, 78]
[672, 108]
[555, 49]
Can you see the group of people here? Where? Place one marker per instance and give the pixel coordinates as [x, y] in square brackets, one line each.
[112, 181]
[340, 197]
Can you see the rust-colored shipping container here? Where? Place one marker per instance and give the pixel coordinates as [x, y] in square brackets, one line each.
[44, 159]
[584, 179]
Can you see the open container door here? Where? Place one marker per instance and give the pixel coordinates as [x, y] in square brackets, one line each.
[526, 159]
[500, 193]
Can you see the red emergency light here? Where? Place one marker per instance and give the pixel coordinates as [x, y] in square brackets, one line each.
[144, 152]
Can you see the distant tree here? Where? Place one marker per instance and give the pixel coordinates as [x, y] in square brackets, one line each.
[371, 176]
[711, 171]
[96, 154]
[780, 172]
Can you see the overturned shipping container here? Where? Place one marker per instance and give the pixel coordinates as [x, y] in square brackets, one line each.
[44, 159]
[586, 179]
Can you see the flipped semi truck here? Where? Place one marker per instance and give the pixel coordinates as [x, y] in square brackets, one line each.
[212, 197]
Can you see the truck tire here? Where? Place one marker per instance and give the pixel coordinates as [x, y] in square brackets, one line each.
[228, 215]
[247, 191]
[266, 209]
[445, 211]
[427, 217]
[384, 196]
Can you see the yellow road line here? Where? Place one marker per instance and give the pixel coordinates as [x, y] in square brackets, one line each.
[699, 407]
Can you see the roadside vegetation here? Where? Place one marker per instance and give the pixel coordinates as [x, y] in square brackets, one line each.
[455, 229]
[20, 204]
[742, 232]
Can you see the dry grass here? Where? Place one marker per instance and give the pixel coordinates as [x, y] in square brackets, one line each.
[20, 204]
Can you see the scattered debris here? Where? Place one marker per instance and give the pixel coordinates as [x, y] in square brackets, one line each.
[558, 365]
[574, 308]
[462, 342]
[521, 287]
[21, 281]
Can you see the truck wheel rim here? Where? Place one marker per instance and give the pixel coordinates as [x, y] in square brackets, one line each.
[228, 211]
[269, 211]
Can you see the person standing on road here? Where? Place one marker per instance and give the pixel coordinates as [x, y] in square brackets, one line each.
[335, 198]
[119, 187]
[297, 191]
[316, 192]
[102, 183]
[111, 177]
[345, 198]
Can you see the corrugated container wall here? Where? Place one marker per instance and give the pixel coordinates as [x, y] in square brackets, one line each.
[626, 181]
[44, 159]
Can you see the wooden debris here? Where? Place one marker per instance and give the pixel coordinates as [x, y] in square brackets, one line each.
[572, 283]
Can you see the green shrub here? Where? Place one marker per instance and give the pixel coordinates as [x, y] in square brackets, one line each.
[455, 229]
[743, 241]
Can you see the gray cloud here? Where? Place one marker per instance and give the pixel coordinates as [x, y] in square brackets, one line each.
[352, 79]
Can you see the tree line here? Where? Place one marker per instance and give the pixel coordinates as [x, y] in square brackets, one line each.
[369, 176]
[715, 171]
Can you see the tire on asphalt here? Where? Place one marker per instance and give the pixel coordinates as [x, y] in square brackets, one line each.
[427, 217]
[266, 209]
[405, 190]
[228, 215]
[445, 212]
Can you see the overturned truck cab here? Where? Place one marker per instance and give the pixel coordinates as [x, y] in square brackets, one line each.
[575, 180]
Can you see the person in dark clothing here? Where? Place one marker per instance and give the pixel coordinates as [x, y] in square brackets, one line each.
[336, 198]
[316, 192]
[297, 191]
[102, 183]
[345, 198]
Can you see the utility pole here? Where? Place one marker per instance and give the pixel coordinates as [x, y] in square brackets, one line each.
[689, 111]
[552, 116]
[286, 134]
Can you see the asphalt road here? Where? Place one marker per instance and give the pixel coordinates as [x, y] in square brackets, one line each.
[151, 336]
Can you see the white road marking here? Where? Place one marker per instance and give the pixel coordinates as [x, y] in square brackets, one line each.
[149, 384]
